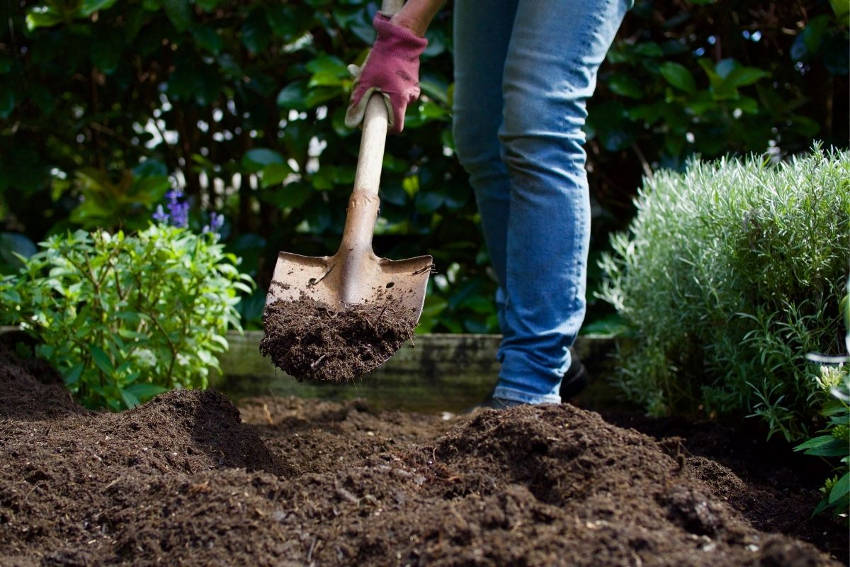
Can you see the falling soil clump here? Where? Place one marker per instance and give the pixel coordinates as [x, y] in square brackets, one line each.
[310, 340]
[187, 479]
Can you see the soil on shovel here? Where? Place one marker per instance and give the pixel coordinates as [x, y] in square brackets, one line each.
[187, 480]
[309, 340]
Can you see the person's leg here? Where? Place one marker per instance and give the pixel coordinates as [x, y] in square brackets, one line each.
[555, 50]
[482, 31]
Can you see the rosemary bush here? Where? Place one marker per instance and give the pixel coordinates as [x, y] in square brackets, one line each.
[125, 317]
[729, 274]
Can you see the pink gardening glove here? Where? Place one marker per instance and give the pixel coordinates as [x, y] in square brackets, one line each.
[391, 68]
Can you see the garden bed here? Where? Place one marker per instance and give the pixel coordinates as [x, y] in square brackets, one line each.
[190, 479]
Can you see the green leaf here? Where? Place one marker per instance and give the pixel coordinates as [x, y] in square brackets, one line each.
[434, 306]
[256, 33]
[725, 67]
[275, 173]
[41, 17]
[841, 9]
[130, 317]
[748, 105]
[179, 12]
[823, 446]
[289, 196]
[130, 399]
[145, 391]
[649, 113]
[678, 76]
[717, 75]
[257, 158]
[743, 76]
[292, 96]
[208, 5]
[435, 88]
[648, 49]
[840, 489]
[437, 42]
[89, 7]
[72, 376]
[207, 38]
[281, 20]
[129, 334]
[625, 85]
[106, 52]
[319, 95]
[327, 70]
[810, 41]
[101, 360]
[150, 168]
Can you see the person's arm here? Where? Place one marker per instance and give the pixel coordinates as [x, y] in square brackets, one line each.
[416, 15]
[392, 66]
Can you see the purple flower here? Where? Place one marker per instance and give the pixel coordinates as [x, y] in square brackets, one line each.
[216, 222]
[178, 212]
[160, 215]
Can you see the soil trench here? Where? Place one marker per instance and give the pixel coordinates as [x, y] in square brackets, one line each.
[187, 479]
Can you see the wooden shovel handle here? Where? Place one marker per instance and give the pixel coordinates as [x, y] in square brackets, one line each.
[363, 204]
[368, 175]
[390, 7]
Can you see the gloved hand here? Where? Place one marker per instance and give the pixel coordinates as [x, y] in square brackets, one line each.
[391, 68]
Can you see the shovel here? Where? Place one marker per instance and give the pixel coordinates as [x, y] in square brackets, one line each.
[355, 276]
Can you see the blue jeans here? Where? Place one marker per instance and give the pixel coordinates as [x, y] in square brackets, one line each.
[523, 71]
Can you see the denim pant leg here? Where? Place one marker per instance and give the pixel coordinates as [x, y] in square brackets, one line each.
[482, 31]
[534, 201]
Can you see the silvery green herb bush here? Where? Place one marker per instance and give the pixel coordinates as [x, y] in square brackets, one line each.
[125, 317]
[729, 274]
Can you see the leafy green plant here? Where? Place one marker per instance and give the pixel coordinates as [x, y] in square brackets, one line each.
[834, 383]
[124, 317]
[730, 273]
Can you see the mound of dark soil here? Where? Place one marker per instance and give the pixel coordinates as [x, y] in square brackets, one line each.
[309, 340]
[184, 481]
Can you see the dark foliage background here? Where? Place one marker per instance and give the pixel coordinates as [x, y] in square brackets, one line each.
[104, 105]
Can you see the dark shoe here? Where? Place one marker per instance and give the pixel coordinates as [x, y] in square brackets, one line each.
[499, 403]
[574, 380]
[494, 403]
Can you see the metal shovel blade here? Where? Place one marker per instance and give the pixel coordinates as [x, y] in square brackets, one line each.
[343, 280]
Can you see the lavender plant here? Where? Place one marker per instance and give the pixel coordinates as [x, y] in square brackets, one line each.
[730, 273]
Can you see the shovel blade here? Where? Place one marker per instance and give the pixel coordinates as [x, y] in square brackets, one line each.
[342, 280]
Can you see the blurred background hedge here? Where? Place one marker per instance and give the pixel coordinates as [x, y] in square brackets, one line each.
[105, 105]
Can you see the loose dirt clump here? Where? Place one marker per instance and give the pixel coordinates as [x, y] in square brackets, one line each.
[309, 340]
[183, 480]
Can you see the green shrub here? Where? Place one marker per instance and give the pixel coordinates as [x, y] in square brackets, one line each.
[730, 273]
[123, 317]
